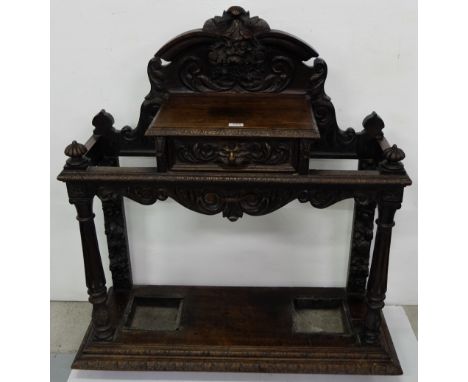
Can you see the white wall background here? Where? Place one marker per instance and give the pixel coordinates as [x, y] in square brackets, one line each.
[100, 50]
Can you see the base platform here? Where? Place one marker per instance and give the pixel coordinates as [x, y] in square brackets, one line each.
[238, 329]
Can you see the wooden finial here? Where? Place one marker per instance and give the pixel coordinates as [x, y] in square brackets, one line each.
[76, 152]
[373, 125]
[103, 123]
[393, 157]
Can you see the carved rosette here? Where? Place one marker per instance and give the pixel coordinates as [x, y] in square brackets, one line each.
[235, 154]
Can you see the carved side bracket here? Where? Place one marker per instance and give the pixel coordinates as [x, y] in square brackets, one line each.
[332, 137]
[128, 138]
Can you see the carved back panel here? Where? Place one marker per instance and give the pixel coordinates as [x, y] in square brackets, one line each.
[238, 53]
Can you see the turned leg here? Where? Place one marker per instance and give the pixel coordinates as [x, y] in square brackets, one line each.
[95, 279]
[377, 283]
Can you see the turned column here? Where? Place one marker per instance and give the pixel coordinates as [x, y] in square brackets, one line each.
[377, 283]
[95, 279]
[82, 197]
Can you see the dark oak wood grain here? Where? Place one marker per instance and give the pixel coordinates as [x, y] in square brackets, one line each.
[238, 329]
[253, 115]
[236, 70]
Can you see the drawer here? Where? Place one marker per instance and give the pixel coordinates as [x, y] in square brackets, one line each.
[232, 154]
[234, 132]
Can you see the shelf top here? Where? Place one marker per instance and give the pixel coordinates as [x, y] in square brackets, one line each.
[233, 114]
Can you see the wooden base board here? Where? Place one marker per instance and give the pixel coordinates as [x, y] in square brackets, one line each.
[236, 329]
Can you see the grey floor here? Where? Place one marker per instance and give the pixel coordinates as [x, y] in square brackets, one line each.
[69, 321]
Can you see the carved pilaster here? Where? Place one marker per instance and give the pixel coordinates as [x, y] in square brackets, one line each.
[377, 285]
[361, 240]
[116, 232]
[94, 273]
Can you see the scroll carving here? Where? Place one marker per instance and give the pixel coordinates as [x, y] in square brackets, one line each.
[322, 198]
[235, 154]
[237, 65]
[146, 195]
[153, 100]
[331, 135]
[237, 60]
[232, 203]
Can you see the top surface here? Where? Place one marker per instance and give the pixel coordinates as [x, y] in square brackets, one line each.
[234, 114]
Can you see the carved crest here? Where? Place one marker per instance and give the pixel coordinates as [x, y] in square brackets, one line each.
[236, 24]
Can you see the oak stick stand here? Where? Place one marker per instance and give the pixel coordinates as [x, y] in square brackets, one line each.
[234, 120]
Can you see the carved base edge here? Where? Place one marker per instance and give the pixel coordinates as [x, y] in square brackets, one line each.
[379, 359]
[242, 365]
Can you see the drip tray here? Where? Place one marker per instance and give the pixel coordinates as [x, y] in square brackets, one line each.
[153, 313]
[319, 316]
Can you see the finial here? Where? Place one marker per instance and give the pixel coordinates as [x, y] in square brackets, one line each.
[103, 123]
[235, 10]
[236, 24]
[76, 152]
[393, 157]
[373, 125]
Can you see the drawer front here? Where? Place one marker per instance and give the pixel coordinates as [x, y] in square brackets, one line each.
[232, 154]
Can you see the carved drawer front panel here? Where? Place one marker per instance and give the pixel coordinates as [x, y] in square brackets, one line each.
[233, 154]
